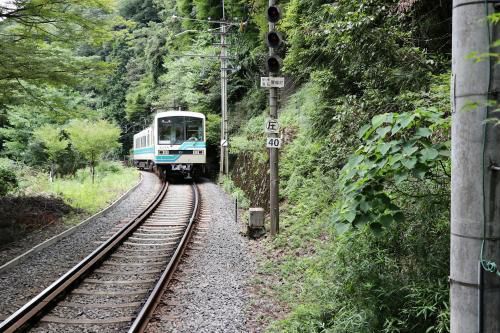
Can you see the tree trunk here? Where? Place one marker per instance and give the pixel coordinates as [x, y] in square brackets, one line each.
[51, 172]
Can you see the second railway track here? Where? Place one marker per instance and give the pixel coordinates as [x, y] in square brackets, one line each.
[116, 287]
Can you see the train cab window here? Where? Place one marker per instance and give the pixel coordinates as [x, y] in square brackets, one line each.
[171, 130]
[194, 129]
[176, 130]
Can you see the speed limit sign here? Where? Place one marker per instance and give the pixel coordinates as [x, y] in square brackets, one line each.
[273, 143]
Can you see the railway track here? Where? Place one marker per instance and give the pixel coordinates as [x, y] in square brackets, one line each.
[117, 287]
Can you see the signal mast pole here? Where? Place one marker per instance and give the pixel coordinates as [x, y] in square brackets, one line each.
[273, 152]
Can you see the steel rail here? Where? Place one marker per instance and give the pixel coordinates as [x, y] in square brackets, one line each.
[147, 311]
[44, 301]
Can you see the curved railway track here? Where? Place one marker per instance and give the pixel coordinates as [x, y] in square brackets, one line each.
[117, 287]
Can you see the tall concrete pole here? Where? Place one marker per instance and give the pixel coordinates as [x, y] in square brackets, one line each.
[223, 88]
[273, 153]
[475, 190]
[226, 111]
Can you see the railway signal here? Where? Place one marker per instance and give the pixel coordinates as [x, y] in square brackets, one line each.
[273, 13]
[273, 64]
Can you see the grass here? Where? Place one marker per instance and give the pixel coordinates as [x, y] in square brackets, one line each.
[237, 193]
[112, 180]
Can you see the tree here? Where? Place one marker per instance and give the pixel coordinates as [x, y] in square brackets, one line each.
[93, 139]
[54, 143]
[37, 37]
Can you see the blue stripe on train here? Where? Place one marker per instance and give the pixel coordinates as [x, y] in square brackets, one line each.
[167, 158]
[192, 144]
[186, 145]
[144, 150]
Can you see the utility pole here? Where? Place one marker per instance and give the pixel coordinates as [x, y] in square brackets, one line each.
[224, 146]
[224, 25]
[223, 83]
[475, 178]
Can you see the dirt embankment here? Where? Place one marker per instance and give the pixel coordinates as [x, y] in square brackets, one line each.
[20, 215]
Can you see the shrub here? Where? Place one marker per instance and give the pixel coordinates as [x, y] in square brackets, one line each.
[8, 181]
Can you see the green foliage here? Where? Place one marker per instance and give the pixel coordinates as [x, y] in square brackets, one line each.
[139, 10]
[395, 148]
[8, 180]
[111, 181]
[52, 139]
[93, 139]
[237, 193]
[213, 129]
[38, 35]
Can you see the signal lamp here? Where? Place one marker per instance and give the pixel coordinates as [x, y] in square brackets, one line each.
[273, 14]
[274, 39]
[273, 64]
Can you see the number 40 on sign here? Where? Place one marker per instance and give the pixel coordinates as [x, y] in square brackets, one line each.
[273, 143]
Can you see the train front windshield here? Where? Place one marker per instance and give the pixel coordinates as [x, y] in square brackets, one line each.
[176, 130]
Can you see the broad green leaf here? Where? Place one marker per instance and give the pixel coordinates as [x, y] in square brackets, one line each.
[395, 129]
[420, 170]
[400, 177]
[395, 158]
[362, 131]
[445, 152]
[341, 228]
[365, 206]
[399, 217]
[355, 160]
[409, 150]
[395, 147]
[423, 132]
[429, 154]
[384, 148]
[386, 220]
[405, 119]
[381, 118]
[409, 163]
[350, 216]
[382, 131]
[361, 220]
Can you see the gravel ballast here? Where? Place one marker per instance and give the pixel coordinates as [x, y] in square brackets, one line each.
[21, 283]
[210, 292]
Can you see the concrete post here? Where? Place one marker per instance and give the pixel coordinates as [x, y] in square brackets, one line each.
[475, 194]
[223, 83]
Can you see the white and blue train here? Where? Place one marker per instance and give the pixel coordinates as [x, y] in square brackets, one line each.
[174, 144]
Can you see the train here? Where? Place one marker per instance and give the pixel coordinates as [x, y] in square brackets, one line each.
[174, 144]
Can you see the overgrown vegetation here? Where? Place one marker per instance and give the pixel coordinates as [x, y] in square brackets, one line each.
[365, 119]
[365, 168]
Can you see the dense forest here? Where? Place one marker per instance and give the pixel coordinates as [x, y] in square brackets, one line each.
[365, 166]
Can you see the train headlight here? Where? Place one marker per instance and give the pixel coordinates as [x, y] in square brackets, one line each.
[163, 152]
[198, 152]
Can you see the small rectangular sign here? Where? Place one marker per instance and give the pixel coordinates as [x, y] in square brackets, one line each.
[272, 82]
[272, 126]
[223, 143]
[273, 143]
